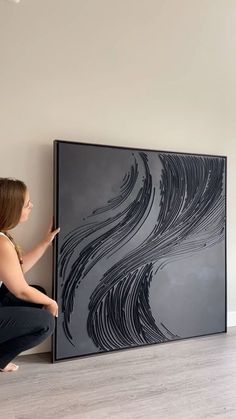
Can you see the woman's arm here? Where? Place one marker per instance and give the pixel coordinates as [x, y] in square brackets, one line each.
[30, 258]
[12, 276]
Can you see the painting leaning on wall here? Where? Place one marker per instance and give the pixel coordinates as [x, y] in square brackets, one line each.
[141, 254]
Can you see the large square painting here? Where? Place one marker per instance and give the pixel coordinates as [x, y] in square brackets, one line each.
[140, 258]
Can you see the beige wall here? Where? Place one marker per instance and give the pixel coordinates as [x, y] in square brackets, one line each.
[140, 73]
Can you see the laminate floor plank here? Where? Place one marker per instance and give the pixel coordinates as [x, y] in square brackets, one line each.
[187, 379]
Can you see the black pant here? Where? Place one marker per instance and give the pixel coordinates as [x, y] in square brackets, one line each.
[23, 325]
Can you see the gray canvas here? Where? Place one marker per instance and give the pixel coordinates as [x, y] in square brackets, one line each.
[140, 258]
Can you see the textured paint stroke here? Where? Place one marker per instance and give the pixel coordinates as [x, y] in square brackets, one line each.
[115, 231]
[191, 218]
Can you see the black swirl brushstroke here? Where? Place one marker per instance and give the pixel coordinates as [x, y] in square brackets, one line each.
[76, 236]
[129, 180]
[127, 303]
[124, 225]
[191, 219]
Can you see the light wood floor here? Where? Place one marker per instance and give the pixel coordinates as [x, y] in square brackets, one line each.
[190, 379]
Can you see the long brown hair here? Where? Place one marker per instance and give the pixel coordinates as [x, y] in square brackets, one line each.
[12, 198]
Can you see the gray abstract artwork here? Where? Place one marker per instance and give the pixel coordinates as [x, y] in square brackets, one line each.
[140, 258]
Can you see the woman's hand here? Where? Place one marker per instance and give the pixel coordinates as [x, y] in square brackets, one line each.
[51, 234]
[52, 307]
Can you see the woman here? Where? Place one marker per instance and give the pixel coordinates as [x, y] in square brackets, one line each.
[26, 313]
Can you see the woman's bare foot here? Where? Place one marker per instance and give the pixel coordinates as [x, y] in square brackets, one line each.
[10, 368]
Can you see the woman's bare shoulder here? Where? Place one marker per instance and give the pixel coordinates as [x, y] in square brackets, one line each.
[6, 244]
[4, 239]
[8, 257]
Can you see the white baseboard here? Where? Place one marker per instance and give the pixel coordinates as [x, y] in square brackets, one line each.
[231, 318]
[43, 347]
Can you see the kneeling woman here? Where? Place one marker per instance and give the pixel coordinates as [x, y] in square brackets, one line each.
[26, 314]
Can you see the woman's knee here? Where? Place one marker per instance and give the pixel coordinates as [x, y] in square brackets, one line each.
[47, 322]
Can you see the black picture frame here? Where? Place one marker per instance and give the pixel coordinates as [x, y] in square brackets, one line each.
[128, 185]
